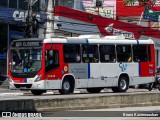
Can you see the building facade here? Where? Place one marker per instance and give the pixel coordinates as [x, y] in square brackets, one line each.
[132, 18]
[13, 15]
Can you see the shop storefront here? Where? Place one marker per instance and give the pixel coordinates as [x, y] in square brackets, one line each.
[13, 14]
[8, 24]
[10, 29]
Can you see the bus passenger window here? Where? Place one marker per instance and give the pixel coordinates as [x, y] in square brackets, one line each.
[51, 60]
[71, 53]
[136, 58]
[107, 53]
[141, 53]
[113, 58]
[130, 58]
[90, 54]
[124, 53]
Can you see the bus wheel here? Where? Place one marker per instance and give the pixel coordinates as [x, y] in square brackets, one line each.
[123, 84]
[66, 87]
[37, 92]
[94, 90]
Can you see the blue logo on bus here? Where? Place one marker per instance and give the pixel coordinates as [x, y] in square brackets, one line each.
[151, 71]
[123, 66]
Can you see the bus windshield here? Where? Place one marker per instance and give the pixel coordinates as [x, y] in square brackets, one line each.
[25, 60]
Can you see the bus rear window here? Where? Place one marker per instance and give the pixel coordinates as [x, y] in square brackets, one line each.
[141, 53]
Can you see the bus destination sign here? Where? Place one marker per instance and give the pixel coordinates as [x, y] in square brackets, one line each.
[27, 44]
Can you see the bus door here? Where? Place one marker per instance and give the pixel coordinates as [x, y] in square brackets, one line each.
[53, 67]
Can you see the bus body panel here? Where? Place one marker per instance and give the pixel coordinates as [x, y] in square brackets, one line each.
[80, 72]
[141, 80]
[148, 68]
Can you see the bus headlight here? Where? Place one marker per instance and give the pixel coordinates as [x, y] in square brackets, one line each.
[38, 78]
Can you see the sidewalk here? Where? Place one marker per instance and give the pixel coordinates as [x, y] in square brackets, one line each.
[8, 92]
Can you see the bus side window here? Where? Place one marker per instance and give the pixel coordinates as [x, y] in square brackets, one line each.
[107, 53]
[136, 58]
[85, 58]
[141, 53]
[51, 60]
[71, 53]
[90, 54]
[124, 53]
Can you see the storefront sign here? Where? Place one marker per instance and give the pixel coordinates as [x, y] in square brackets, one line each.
[157, 2]
[131, 2]
[13, 16]
[107, 8]
[151, 15]
[22, 15]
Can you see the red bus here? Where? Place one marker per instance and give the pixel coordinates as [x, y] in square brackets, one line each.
[84, 62]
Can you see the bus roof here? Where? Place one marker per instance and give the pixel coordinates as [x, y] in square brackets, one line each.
[89, 39]
[77, 40]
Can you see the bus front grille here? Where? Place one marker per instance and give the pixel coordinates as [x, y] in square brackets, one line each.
[23, 86]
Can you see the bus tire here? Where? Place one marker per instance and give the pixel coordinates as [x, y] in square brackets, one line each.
[37, 92]
[94, 90]
[123, 84]
[67, 87]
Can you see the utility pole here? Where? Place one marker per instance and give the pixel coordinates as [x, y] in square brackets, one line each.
[28, 28]
[50, 32]
[31, 20]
